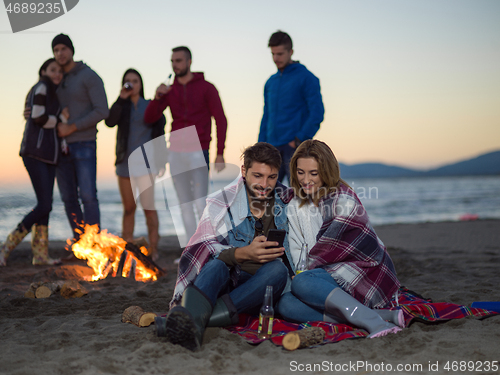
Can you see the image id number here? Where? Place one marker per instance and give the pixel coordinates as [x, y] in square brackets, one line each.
[25, 8]
[471, 366]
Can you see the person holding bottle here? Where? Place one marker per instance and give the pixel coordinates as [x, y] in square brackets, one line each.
[133, 173]
[40, 153]
[350, 272]
[231, 260]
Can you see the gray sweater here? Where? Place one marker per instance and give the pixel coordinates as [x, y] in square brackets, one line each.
[82, 91]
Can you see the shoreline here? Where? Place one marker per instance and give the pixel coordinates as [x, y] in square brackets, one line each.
[454, 262]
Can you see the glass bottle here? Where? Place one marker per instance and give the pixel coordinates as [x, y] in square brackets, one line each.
[266, 315]
[64, 147]
[303, 263]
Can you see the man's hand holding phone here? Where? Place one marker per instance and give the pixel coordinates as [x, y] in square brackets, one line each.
[261, 250]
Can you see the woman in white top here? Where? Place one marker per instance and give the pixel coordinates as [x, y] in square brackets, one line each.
[350, 272]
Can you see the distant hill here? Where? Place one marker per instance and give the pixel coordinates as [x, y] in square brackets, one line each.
[486, 164]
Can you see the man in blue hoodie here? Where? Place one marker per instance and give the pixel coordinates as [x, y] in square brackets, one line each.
[293, 107]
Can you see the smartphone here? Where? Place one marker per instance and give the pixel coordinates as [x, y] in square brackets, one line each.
[276, 235]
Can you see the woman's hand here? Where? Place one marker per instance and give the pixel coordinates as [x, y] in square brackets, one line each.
[65, 113]
[124, 93]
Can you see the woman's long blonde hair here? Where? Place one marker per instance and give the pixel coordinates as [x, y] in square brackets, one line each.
[328, 170]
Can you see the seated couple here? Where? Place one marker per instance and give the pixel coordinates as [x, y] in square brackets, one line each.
[228, 263]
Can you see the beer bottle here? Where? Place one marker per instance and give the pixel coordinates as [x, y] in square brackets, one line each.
[303, 263]
[266, 315]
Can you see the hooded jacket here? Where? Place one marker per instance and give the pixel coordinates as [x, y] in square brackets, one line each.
[293, 107]
[192, 104]
[40, 139]
[82, 91]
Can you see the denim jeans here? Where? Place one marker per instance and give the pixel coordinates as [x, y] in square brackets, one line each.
[214, 280]
[76, 178]
[286, 153]
[42, 177]
[191, 185]
[306, 301]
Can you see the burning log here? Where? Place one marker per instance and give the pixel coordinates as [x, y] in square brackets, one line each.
[110, 256]
[144, 259]
[303, 338]
[73, 289]
[137, 316]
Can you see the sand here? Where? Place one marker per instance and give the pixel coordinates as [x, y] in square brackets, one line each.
[452, 261]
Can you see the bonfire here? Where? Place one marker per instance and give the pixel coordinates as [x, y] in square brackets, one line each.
[109, 255]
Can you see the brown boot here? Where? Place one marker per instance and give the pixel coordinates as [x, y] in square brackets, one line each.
[40, 246]
[13, 239]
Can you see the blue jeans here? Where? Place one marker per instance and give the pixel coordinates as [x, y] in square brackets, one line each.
[76, 178]
[42, 177]
[214, 280]
[286, 153]
[306, 301]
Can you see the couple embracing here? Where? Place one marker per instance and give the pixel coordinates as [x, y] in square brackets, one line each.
[228, 263]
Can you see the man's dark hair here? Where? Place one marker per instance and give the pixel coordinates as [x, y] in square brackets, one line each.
[261, 152]
[280, 38]
[183, 49]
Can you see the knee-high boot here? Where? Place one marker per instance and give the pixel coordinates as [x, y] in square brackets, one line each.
[13, 239]
[40, 246]
[185, 324]
[224, 313]
[392, 316]
[343, 305]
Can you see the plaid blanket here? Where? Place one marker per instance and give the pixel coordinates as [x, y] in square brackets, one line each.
[210, 237]
[348, 248]
[414, 308]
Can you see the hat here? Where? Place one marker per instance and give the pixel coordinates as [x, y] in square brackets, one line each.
[63, 39]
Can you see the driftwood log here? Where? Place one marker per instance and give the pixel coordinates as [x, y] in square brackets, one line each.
[43, 289]
[137, 316]
[73, 289]
[30, 293]
[47, 289]
[304, 338]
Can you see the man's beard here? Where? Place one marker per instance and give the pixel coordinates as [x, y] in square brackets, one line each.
[255, 197]
[182, 73]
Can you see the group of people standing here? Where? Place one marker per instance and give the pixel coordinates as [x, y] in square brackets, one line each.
[76, 101]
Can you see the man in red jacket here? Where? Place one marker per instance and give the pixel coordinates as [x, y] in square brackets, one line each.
[193, 102]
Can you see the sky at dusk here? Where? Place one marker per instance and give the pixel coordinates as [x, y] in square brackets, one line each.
[405, 82]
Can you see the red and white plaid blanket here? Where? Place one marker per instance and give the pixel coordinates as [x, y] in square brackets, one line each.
[348, 248]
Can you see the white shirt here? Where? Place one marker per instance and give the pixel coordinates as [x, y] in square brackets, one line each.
[304, 225]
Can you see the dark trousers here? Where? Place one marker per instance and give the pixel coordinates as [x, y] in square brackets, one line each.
[42, 177]
[286, 153]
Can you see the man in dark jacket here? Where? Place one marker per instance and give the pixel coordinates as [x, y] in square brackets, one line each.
[82, 91]
[193, 102]
[293, 107]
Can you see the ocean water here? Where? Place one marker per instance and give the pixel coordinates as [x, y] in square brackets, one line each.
[387, 201]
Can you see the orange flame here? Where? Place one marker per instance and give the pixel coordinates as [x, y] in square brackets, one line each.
[103, 251]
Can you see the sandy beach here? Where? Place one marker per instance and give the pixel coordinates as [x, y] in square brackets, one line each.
[453, 262]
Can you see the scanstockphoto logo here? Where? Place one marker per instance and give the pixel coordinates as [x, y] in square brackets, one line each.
[24, 15]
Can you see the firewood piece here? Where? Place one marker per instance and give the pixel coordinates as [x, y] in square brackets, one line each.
[303, 338]
[47, 289]
[137, 316]
[30, 293]
[73, 289]
[145, 260]
[140, 241]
